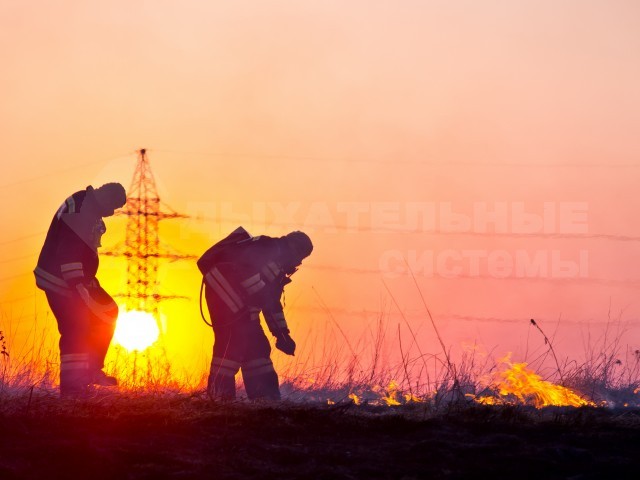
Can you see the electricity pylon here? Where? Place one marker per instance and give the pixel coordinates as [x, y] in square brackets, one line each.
[142, 245]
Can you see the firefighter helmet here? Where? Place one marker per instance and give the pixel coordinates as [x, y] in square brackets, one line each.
[299, 244]
[109, 197]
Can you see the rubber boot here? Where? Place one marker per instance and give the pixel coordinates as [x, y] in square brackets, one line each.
[222, 378]
[221, 387]
[98, 377]
[74, 374]
[260, 380]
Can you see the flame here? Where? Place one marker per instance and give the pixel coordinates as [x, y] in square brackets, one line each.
[136, 330]
[355, 398]
[529, 388]
[410, 397]
[392, 393]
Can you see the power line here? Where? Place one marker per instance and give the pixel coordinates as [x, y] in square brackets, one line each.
[25, 237]
[625, 283]
[407, 231]
[414, 315]
[433, 163]
[605, 237]
[421, 316]
[58, 172]
[14, 259]
[13, 277]
[19, 299]
[549, 236]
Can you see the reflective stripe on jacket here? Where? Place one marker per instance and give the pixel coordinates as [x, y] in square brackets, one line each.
[249, 277]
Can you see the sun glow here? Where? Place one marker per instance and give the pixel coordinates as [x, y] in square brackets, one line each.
[136, 330]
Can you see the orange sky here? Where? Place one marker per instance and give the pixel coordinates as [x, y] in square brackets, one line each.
[343, 121]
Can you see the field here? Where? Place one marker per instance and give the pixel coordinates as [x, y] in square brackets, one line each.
[465, 418]
[122, 436]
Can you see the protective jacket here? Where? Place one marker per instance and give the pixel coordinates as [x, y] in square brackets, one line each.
[247, 277]
[66, 259]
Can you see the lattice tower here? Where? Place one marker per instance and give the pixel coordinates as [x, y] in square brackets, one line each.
[142, 246]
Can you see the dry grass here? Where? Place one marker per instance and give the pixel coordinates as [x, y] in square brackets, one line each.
[402, 416]
[385, 365]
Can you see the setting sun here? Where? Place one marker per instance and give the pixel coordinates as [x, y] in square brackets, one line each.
[136, 330]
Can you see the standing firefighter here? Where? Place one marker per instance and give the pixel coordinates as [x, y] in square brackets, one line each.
[66, 271]
[243, 276]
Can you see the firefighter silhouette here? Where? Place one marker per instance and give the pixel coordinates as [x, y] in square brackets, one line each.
[243, 276]
[66, 271]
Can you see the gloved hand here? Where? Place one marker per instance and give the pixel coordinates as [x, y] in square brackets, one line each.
[285, 344]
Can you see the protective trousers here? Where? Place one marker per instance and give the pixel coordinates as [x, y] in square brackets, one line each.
[240, 344]
[84, 341]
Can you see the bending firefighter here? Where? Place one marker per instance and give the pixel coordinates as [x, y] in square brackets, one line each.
[243, 276]
[66, 271]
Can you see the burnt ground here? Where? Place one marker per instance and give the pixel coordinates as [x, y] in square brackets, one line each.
[190, 437]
